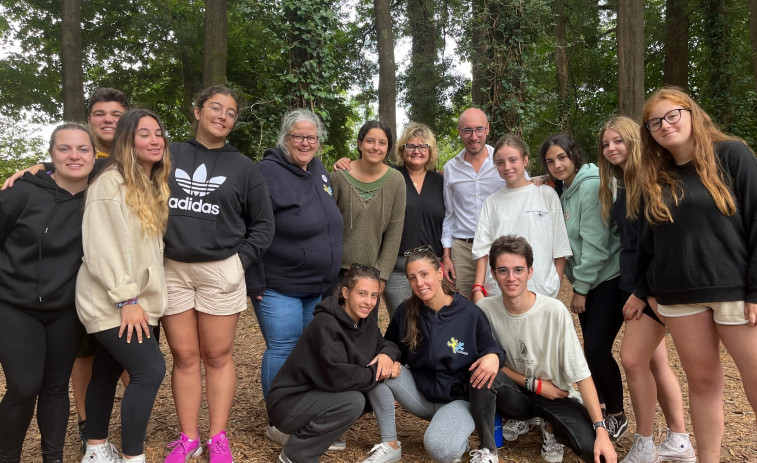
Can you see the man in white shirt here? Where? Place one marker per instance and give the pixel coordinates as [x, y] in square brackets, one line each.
[544, 359]
[469, 178]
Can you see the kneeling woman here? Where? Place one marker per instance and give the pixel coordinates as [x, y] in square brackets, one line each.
[318, 393]
[447, 346]
[121, 287]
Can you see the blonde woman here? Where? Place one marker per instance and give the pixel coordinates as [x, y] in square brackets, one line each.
[121, 288]
[698, 251]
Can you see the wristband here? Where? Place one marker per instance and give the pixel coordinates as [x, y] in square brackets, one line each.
[129, 302]
[538, 388]
[479, 288]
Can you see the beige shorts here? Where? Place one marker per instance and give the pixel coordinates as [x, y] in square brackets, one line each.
[214, 288]
[724, 313]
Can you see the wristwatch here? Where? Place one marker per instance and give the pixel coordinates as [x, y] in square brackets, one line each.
[599, 424]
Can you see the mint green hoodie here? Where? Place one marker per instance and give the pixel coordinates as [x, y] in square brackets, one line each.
[596, 246]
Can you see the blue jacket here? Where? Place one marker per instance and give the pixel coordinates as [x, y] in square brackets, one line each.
[306, 251]
[451, 341]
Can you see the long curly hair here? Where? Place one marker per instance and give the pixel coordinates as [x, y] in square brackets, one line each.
[147, 195]
[660, 184]
[629, 131]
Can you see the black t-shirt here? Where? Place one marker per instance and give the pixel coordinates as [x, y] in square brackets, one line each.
[424, 213]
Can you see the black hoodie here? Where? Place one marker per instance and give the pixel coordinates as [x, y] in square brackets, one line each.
[332, 355]
[40, 238]
[306, 251]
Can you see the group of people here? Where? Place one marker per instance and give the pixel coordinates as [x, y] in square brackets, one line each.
[660, 234]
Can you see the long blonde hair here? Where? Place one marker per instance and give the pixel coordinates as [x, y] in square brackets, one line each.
[147, 196]
[628, 130]
[657, 178]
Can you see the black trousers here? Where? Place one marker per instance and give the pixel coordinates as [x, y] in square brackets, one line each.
[37, 352]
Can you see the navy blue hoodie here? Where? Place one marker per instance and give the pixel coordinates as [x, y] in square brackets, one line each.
[452, 339]
[40, 242]
[306, 251]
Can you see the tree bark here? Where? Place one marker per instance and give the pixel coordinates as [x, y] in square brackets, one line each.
[423, 76]
[676, 66]
[631, 58]
[561, 58]
[71, 61]
[753, 39]
[480, 52]
[387, 84]
[214, 47]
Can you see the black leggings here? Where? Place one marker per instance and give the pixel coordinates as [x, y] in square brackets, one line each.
[600, 324]
[146, 367]
[37, 352]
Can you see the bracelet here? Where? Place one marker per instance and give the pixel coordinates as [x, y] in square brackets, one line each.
[446, 256]
[538, 388]
[479, 288]
[129, 302]
[528, 383]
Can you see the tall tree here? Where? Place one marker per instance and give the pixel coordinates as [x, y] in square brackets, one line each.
[214, 46]
[676, 67]
[71, 60]
[720, 66]
[630, 39]
[561, 60]
[753, 38]
[387, 83]
[423, 81]
[479, 51]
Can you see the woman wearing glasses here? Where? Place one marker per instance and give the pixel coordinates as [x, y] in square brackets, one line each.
[371, 197]
[319, 392]
[698, 251]
[305, 255]
[593, 270]
[220, 223]
[446, 347]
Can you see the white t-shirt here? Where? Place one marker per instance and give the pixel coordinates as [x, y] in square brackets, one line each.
[541, 342]
[533, 212]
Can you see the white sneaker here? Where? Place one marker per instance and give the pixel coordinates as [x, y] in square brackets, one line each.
[275, 435]
[642, 451]
[677, 447]
[516, 428]
[137, 459]
[551, 450]
[101, 453]
[484, 456]
[384, 453]
[338, 445]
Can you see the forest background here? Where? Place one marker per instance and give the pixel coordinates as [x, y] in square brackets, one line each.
[538, 66]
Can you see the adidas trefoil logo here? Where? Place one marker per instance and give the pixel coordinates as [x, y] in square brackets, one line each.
[197, 186]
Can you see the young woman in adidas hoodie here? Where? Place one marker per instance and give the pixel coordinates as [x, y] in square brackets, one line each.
[593, 270]
[320, 391]
[446, 347]
[40, 254]
[121, 288]
[220, 223]
[697, 254]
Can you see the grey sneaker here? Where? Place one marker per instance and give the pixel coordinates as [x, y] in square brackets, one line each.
[484, 456]
[283, 458]
[677, 447]
[275, 435]
[516, 428]
[384, 453]
[101, 453]
[551, 450]
[642, 451]
[338, 446]
[616, 426]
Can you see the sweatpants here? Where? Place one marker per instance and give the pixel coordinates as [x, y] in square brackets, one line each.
[571, 423]
[37, 352]
[315, 419]
[450, 424]
[146, 367]
[600, 324]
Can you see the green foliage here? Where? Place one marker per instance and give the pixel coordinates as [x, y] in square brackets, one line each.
[20, 147]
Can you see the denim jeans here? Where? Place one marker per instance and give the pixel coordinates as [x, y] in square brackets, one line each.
[282, 318]
[397, 288]
[571, 423]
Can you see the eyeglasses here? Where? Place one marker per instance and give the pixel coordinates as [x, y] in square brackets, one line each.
[217, 110]
[311, 139]
[671, 117]
[421, 148]
[467, 132]
[366, 269]
[505, 272]
[419, 249]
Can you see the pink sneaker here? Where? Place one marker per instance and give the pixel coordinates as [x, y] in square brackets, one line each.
[218, 449]
[184, 450]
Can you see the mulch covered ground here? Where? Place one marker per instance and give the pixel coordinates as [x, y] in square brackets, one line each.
[248, 419]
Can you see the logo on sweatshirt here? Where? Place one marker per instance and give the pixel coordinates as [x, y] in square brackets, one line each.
[197, 185]
[457, 346]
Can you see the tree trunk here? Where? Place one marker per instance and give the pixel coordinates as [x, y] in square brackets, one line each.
[753, 39]
[71, 61]
[631, 58]
[561, 58]
[214, 46]
[676, 67]
[423, 76]
[480, 51]
[387, 84]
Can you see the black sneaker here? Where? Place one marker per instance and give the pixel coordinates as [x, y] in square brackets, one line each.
[616, 426]
[82, 431]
